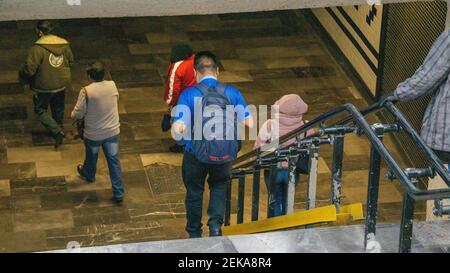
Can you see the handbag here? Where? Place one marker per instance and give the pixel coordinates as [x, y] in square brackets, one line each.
[166, 123]
[302, 166]
[79, 123]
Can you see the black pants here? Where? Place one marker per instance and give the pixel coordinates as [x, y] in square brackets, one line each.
[194, 174]
[42, 101]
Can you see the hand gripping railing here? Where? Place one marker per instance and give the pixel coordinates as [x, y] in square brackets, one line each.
[254, 161]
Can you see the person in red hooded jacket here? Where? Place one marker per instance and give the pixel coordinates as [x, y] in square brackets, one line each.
[180, 76]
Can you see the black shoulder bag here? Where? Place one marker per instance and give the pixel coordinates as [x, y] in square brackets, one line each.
[302, 166]
[79, 123]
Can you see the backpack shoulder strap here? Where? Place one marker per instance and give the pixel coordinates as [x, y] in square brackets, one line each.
[220, 88]
[203, 88]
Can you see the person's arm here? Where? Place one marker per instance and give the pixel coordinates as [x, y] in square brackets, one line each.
[430, 74]
[181, 114]
[245, 115]
[79, 111]
[173, 86]
[70, 56]
[31, 65]
[263, 135]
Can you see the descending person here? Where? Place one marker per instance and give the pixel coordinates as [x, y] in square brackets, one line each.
[432, 77]
[288, 117]
[179, 77]
[47, 71]
[211, 155]
[98, 105]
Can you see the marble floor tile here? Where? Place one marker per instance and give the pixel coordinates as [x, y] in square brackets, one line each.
[173, 37]
[235, 76]
[265, 74]
[131, 162]
[21, 155]
[164, 178]
[77, 184]
[25, 202]
[274, 63]
[102, 215]
[9, 77]
[140, 49]
[38, 185]
[162, 158]
[279, 52]
[239, 65]
[69, 200]
[5, 189]
[23, 241]
[106, 234]
[11, 88]
[13, 113]
[17, 171]
[42, 220]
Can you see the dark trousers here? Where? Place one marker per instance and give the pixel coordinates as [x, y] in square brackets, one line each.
[278, 194]
[194, 174]
[42, 101]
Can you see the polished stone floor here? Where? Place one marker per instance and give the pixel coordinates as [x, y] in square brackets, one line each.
[44, 205]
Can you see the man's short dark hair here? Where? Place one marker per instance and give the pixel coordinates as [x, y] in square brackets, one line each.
[45, 26]
[205, 60]
[96, 71]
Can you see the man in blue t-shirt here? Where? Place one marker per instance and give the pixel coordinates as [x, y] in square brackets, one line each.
[194, 172]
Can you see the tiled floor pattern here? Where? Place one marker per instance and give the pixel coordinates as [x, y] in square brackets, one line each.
[44, 205]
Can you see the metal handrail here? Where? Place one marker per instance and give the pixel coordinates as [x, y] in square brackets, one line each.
[358, 118]
[254, 161]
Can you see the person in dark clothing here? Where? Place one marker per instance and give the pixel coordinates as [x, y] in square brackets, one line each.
[47, 71]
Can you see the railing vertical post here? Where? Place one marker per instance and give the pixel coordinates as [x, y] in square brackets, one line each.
[406, 226]
[312, 179]
[228, 203]
[255, 195]
[241, 196]
[292, 167]
[336, 174]
[372, 190]
[271, 191]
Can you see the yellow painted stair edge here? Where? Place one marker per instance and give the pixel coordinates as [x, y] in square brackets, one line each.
[325, 214]
[307, 217]
[355, 210]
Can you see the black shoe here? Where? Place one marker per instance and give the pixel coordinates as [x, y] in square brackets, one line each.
[117, 200]
[80, 172]
[59, 139]
[215, 232]
[194, 236]
[176, 149]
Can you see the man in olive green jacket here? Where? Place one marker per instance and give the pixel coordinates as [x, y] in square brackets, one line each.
[47, 71]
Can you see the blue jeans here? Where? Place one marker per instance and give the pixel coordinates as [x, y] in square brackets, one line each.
[279, 196]
[111, 150]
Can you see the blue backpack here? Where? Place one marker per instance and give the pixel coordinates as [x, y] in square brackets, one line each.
[223, 145]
